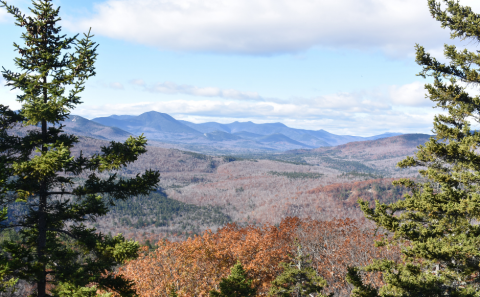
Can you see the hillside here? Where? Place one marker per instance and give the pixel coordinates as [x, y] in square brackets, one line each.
[81, 126]
[378, 149]
[221, 136]
[248, 135]
[279, 138]
[200, 192]
[375, 157]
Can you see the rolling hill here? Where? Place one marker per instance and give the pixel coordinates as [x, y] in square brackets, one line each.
[221, 136]
[400, 145]
[82, 126]
[279, 138]
[199, 192]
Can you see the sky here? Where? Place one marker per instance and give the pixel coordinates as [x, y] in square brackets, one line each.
[345, 66]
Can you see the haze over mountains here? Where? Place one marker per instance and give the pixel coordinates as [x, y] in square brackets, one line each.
[210, 137]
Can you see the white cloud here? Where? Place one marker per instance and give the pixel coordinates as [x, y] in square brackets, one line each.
[112, 85]
[409, 95]
[270, 26]
[351, 102]
[116, 85]
[3, 15]
[294, 115]
[173, 88]
[359, 113]
[137, 82]
[9, 97]
[211, 108]
[363, 101]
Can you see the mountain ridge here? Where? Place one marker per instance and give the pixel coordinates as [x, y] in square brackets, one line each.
[213, 137]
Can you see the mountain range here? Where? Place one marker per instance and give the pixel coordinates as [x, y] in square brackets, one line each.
[209, 137]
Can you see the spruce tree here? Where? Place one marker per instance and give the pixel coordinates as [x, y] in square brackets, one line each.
[39, 174]
[236, 284]
[172, 292]
[6, 279]
[298, 278]
[437, 225]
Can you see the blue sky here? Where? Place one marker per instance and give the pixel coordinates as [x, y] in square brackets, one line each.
[346, 66]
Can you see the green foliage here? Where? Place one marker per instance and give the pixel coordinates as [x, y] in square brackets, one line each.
[295, 161]
[6, 281]
[172, 292]
[157, 209]
[437, 225]
[298, 279]
[297, 175]
[38, 174]
[212, 164]
[197, 155]
[361, 290]
[229, 159]
[348, 166]
[356, 174]
[69, 290]
[235, 285]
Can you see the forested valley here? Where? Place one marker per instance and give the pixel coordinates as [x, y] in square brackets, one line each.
[199, 192]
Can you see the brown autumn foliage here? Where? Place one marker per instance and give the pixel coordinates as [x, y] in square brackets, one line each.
[348, 194]
[336, 245]
[262, 191]
[195, 266]
[383, 148]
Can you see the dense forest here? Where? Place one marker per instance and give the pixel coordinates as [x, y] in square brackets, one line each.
[195, 266]
[205, 192]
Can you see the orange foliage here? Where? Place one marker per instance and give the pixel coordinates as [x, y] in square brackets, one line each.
[369, 190]
[336, 188]
[195, 266]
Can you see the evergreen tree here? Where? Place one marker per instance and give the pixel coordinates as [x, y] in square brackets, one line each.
[172, 292]
[39, 174]
[298, 278]
[6, 280]
[437, 225]
[235, 285]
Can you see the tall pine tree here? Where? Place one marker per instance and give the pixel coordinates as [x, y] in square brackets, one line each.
[56, 251]
[437, 224]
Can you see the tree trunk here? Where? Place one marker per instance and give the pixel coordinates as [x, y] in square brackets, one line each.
[42, 216]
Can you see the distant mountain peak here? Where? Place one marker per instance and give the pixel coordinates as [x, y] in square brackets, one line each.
[121, 117]
[156, 113]
[266, 136]
[148, 122]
